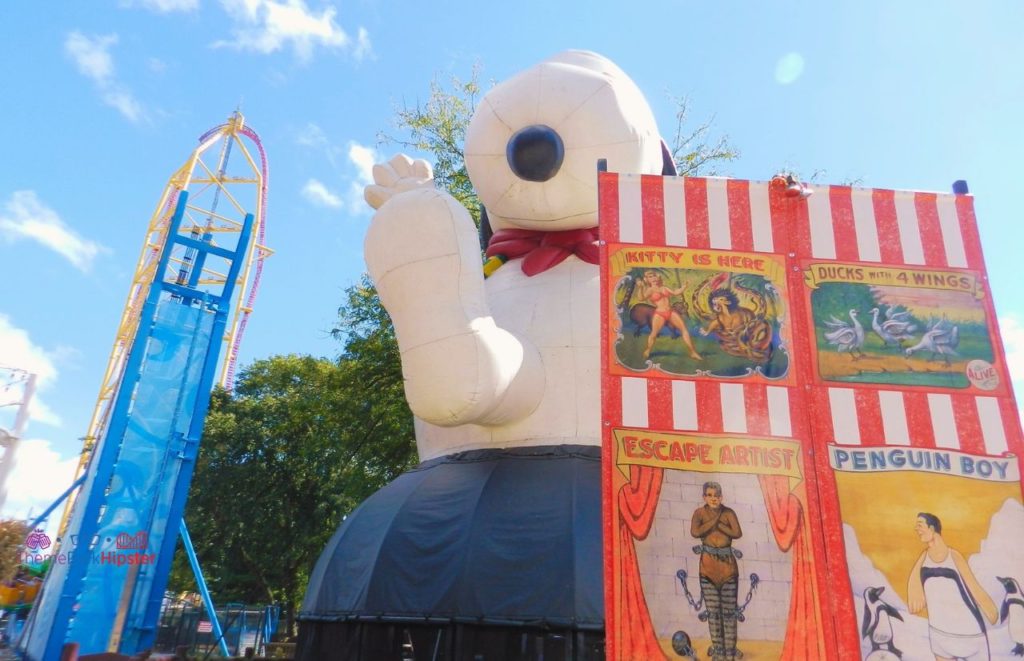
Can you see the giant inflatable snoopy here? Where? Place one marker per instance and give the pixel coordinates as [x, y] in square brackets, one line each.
[513, 360]
[500, 525]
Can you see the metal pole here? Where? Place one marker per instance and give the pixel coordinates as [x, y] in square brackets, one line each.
[203, 590]
[20, 422]
[42, 517]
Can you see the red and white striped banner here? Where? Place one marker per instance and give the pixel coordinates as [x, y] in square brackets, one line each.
[836, 225]
[894, 228]
[838, 222]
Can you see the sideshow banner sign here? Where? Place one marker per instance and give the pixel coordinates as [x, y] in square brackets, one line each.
[810, 447]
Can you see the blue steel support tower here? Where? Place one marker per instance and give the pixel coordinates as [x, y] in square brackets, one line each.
[124, 525]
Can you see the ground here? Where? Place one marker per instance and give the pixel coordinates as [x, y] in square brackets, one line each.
[760, 650]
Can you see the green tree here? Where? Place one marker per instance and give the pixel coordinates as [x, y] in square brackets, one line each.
[692, 149]
[298, 445]
[12, 541]
[438, 127]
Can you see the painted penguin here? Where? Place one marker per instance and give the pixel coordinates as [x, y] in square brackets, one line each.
[877, 625]
[1012, 612]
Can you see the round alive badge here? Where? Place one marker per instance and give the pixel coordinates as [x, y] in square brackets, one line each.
[982, 374]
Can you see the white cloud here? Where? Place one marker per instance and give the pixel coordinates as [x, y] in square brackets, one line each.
[312, 135]
[40, 476]
[163, 6]
[92, 58]
[317, 193]
[25, 216]
[124, 102]
[364, 158]
[17, 350]
[363, 47]
[356, 171]
[267, 26]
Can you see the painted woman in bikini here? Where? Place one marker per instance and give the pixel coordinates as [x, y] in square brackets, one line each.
[654, 291]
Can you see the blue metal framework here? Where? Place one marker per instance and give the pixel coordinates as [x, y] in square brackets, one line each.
[211, 610]
[107, 593]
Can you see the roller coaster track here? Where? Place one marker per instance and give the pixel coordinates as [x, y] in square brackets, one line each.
[242, 190]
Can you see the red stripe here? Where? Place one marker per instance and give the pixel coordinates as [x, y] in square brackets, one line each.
[652, 204]
[931, 231]
[659, 403]
[612, 399]
[869, 417]
[888, 229]
[709, 406]
[968, 425]
[740, 231]
[697, 233]
[919, 419]
[795, 221]
[755, 400]
[800, 413]
[969, 231]
[843, 227]
[822, 430]
[1011, 425]
[779, 209]
[608, 205]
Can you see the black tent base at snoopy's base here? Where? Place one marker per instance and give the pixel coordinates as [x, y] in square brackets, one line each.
[486, 554]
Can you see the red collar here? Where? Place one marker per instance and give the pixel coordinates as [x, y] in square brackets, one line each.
[542, 250]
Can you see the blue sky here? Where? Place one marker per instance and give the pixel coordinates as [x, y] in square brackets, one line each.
[101, 101]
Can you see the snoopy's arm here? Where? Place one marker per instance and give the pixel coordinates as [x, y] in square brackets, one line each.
[985, 603]
[423, 254]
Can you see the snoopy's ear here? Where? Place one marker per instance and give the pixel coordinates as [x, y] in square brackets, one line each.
[668, 164]
[485, 229]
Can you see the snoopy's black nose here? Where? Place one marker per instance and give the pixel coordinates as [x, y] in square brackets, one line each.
[535, 153]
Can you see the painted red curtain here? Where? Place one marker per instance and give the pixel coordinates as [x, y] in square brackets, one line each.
[804, 636]
[638, 500]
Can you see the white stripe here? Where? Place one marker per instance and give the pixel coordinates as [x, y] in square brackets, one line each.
[631, 220]
[675, 211]
[634, 401]
[719, 235]
[844, 416]
[778, 411]
[952, 239]
[734, 408]
[991, 425]
[909, 227]
[894, 418]
[684, 405]
[940, 407]
[823, 239]
[864, 222]
[761, 218]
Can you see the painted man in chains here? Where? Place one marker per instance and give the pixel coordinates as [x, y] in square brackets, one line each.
[717, 525]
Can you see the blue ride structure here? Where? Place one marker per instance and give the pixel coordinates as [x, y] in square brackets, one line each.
[191, 296]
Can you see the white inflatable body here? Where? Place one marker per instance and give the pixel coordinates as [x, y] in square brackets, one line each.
[513, 360]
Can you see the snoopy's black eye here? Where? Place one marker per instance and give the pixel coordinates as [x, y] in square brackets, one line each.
[535, 153]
